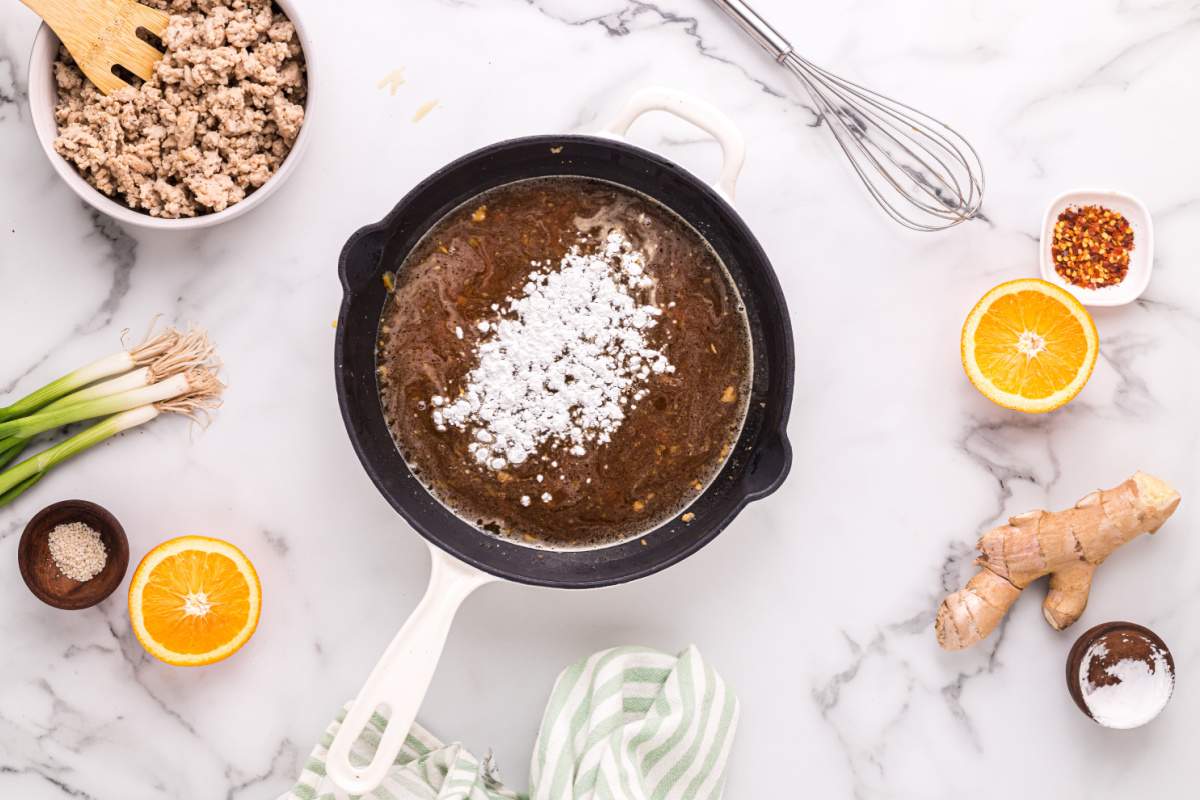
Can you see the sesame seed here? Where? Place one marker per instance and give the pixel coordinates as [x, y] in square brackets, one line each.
[77, 551]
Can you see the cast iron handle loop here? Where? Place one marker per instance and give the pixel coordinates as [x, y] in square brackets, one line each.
[704, 116]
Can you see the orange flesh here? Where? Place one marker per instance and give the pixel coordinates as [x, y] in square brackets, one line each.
[1064, 345]
[191, 573]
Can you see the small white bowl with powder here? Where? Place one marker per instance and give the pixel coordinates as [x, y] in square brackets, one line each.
[1121, 675]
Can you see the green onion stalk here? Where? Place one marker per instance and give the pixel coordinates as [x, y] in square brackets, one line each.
[198, 381]
[10, 449]
[12, 446]
[170, 352]
[124, 383]
[15, 480]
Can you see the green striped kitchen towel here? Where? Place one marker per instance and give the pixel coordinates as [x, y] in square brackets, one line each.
[628, 723]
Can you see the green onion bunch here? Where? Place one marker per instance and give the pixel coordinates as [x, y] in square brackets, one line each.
[172, 372]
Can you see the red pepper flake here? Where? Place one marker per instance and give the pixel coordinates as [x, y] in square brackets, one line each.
[1091, 246]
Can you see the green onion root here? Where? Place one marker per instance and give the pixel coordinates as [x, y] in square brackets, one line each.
[190, 351]
[165, 355]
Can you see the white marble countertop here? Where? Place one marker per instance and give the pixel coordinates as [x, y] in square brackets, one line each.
[816, 605]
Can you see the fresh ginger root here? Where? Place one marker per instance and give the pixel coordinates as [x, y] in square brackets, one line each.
[1066, 545]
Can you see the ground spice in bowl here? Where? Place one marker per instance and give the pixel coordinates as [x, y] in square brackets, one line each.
[1091, 246]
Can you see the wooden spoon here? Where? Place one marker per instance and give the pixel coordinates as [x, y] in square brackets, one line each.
[102, 34]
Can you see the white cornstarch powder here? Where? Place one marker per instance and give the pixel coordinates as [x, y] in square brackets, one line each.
[561, 361]
[77, 551]
[1140, 691]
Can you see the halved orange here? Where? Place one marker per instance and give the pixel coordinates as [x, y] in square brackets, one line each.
[1029, 345]
[194, 600]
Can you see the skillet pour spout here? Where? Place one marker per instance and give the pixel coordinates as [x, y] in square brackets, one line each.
[465, 557]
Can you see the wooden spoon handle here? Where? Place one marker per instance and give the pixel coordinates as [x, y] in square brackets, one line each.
[56, 13]
[102, 34]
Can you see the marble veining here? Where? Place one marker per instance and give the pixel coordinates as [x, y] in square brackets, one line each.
[817, 604]
[121, 259]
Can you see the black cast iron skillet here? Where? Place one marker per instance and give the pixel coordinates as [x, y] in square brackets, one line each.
[756, 467]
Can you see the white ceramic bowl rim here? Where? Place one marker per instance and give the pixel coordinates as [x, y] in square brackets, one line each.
[43, 95]
[1141, 263]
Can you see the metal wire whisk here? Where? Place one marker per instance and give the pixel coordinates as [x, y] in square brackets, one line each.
[919, 170]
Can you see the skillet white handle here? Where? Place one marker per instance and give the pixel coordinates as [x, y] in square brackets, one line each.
[401, 678]
[703, 115]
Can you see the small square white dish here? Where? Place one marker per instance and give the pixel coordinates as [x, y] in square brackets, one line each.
[1141, 258]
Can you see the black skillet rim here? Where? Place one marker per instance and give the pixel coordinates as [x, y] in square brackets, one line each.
[698, 535]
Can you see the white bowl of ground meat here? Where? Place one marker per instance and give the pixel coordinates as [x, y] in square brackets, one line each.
[218, 128]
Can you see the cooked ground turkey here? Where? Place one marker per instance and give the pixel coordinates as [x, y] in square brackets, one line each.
[219, 117]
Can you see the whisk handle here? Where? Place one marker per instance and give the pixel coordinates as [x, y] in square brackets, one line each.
[767, 37]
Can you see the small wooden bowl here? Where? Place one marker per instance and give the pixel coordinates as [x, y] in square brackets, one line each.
[42, 576]
[1089, 637]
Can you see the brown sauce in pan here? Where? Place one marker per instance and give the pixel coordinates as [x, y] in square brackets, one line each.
[674, 438]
